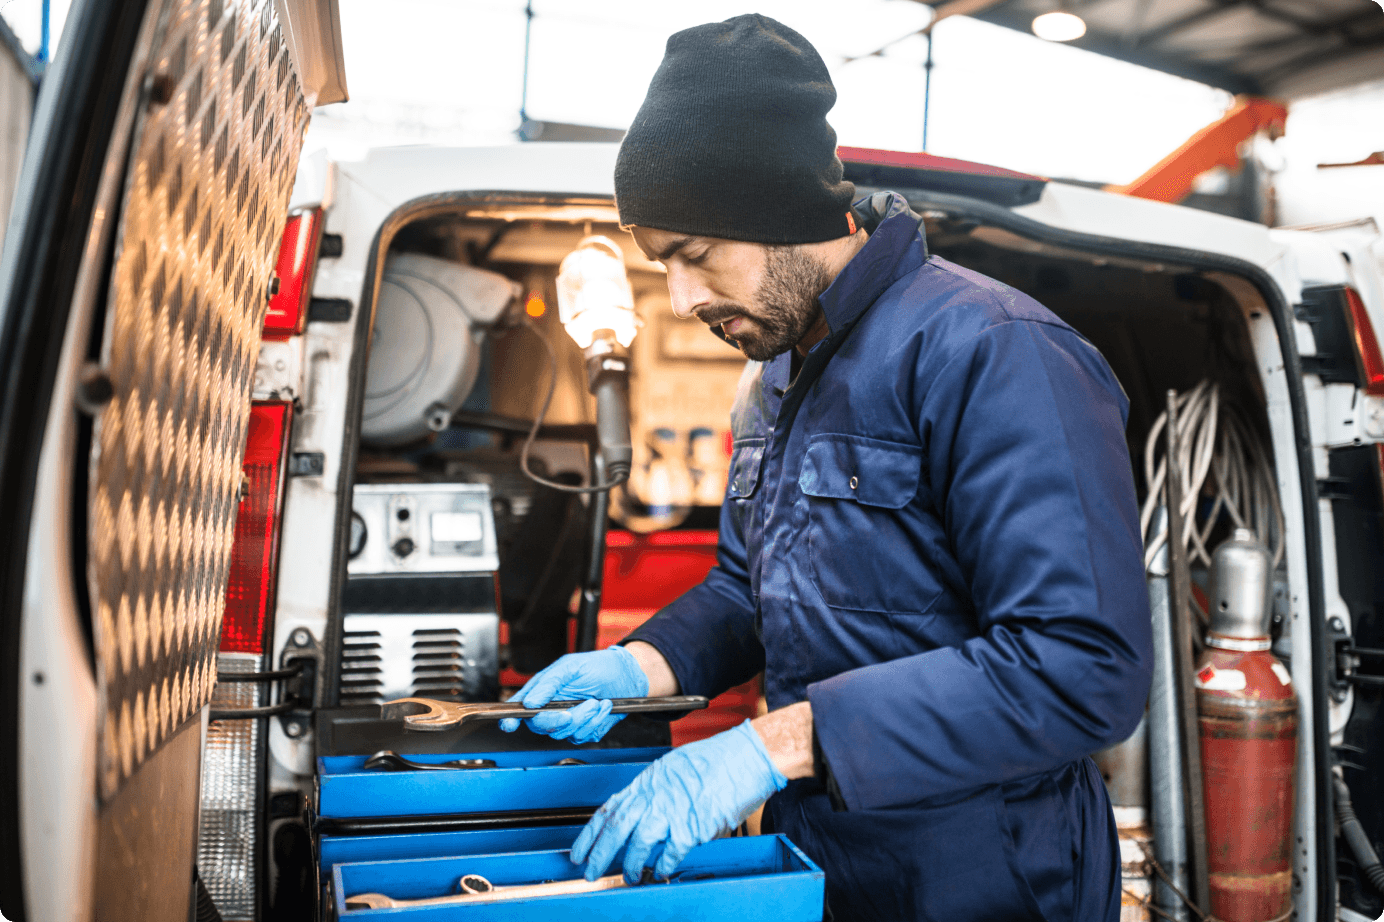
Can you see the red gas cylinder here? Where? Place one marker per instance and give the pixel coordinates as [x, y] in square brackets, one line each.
[1248, 717]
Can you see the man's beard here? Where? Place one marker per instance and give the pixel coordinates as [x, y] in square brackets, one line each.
[785, 305]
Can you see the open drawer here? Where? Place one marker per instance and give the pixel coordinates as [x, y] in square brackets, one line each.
[746, 879]
[519, 781]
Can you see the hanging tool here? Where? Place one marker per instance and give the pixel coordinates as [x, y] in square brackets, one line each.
[1180, 583]
[431, 714]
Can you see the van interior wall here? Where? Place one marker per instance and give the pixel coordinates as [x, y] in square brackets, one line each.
[1158, 327]
[543, 534]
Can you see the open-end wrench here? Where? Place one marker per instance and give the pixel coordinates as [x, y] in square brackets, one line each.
[476, 889]
[390, 761]
[431, 714]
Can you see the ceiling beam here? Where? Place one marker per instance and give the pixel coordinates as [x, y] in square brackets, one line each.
[1113, 46]
[1155, 35]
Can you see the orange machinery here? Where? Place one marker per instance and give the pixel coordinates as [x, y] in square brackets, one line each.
[1218, 144]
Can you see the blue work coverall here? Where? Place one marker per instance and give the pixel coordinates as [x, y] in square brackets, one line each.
[931, 535]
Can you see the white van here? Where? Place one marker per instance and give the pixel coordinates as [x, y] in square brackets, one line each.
[318, 435]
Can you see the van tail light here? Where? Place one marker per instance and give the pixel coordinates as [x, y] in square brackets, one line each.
[1366, 344]
[287, 312]
[229, 845]
[255, 553]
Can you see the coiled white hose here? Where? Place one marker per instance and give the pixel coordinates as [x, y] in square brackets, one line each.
[1220, 456]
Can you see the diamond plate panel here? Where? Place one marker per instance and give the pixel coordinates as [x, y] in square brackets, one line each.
[203, 211]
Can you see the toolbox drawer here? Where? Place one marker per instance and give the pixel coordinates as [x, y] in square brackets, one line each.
[343, 849]
[520, 781]
[755, 879]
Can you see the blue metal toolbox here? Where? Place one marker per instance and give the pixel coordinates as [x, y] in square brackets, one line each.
[519, 781]
[748, 879]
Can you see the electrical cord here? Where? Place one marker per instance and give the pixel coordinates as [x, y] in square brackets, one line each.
[1356, 837]
[538, 423]
[1218, 447]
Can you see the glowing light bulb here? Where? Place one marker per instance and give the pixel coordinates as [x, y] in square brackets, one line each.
[1059, 26]
[593, 293]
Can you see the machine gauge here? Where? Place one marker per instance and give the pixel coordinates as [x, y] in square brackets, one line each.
[358, 535]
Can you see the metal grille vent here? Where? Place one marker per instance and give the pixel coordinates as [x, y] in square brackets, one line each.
[362, 669]
[439, 663]
[203, 210]
[430, 655]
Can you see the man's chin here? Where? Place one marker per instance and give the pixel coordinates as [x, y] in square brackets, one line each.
[757, 351]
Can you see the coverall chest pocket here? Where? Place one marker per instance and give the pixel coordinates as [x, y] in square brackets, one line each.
[742, 481]
[862, 532]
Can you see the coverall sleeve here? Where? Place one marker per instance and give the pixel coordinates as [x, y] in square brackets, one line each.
[708, 635]
[1024, 449]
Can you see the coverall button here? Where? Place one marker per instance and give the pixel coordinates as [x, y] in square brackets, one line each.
[855, 482]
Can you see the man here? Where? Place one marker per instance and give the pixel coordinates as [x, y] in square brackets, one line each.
[929, 542]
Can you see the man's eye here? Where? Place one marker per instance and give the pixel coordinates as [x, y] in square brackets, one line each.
[699, 258]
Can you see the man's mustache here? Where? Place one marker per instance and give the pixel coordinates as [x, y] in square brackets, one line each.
[719, 313]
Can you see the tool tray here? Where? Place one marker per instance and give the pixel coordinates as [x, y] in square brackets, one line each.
[751, 879]
[520, 781]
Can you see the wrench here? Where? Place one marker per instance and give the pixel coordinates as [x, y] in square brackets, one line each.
[389, 760]
[431, 714]
[476, 889]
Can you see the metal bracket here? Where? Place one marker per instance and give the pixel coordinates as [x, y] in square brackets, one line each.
[1343, 662]
[303, 654]
[307, 464]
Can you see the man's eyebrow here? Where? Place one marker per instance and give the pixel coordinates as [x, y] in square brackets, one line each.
[673, 246]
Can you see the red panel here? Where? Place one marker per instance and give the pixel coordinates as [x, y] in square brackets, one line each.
[287, 312]
[643, 573]
[1366, 344]
[920, 161]
[649, 571]
[255, 553]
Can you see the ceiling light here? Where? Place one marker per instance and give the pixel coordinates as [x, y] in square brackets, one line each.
[1059, 26]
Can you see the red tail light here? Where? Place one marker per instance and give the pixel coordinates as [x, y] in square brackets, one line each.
[1366, 344]
[297, 258]
[255, 553]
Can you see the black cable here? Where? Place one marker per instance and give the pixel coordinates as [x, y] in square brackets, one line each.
[282, 707]
[273, 676]
[618, 479]
[1356, 837]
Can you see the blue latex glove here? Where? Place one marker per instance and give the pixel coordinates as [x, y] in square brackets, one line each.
[690, 796]
[599, 676]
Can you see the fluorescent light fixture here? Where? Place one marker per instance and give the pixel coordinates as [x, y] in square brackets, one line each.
[1059, 26]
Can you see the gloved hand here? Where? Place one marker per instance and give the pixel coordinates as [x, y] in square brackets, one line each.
[599, 676]
[688, 797]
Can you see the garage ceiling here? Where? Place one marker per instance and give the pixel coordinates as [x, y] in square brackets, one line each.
[1282, 48]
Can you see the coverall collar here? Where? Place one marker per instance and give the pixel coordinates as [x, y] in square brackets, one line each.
[897, 246]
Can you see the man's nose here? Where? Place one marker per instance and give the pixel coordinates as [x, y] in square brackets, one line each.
[686, 292]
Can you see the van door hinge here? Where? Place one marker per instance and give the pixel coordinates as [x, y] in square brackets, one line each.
[1347, 662]
[303, 654]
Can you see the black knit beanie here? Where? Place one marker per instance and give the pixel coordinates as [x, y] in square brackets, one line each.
[732, 140]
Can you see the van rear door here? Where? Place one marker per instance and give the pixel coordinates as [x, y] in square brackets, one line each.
[135, 275]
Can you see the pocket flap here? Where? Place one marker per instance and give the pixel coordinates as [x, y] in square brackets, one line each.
[869, 471]
[745, 458]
